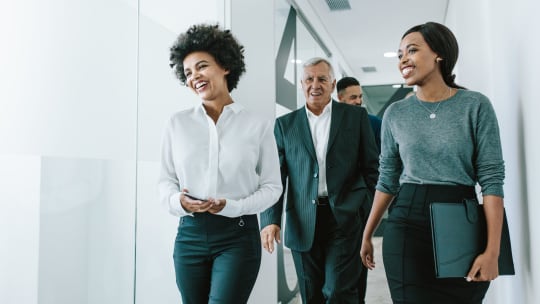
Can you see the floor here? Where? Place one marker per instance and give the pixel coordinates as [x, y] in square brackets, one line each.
[377, 287]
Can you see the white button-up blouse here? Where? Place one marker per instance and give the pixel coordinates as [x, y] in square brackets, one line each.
[234, 159]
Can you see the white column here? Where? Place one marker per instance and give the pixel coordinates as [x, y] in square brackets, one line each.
[252, 22]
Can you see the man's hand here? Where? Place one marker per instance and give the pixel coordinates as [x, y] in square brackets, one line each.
[269, 234]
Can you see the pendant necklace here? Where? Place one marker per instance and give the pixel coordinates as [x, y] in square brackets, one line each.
[433, 114]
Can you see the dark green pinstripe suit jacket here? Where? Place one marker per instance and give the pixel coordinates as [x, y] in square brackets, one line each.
[351, 173]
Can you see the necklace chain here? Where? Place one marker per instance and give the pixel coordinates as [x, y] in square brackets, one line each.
[433, 114]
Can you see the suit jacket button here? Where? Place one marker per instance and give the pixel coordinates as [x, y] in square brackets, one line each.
[315, 175]
[313, 201]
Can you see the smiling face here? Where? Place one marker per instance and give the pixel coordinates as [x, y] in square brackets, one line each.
[205, 76]
[351, 95]
[417, 62]
[318, 85]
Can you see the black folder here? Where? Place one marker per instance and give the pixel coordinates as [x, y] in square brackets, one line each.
[459, 234]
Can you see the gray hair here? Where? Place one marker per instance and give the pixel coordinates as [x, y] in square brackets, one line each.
[316, 60]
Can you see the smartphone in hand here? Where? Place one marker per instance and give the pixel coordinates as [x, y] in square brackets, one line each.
[194, 197]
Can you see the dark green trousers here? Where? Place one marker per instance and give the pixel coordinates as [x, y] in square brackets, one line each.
[408, 250]
[329, 271]
[362, 284]
[217, 259]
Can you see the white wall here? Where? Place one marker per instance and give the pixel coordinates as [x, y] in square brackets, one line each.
[65, 66]
[67, 146]
[256, 91]
[497, 58]
[529, 140]
[255, 31]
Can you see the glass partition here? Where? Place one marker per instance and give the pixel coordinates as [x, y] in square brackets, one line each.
[68, 132]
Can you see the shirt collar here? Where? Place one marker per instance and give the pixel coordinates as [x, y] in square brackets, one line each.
[235, 107]
[326, 111]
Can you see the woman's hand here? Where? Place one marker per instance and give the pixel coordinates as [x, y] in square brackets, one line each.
[484, 268]
[381, 202]
[366, 254]
[486, 265]
[194, 205]
[217, 205]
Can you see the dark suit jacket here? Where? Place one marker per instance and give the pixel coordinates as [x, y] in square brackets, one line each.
[351, 173]
[376, 124]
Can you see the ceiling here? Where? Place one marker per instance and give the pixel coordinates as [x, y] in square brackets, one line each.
[370, 28]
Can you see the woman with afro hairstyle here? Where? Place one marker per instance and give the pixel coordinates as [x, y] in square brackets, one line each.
[219, 168]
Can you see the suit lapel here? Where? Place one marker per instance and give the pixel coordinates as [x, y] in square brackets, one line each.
[305, 132]
[335, 123]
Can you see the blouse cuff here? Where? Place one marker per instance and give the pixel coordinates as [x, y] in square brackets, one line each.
[175, 207]
[232, 209]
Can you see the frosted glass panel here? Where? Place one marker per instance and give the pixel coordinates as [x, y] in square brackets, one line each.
[68, 103]
[155, 242]
[19, 233]
[69, 78]
[86, 248]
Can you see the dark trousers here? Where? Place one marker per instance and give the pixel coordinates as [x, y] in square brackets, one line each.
[408, 249]
[328, 273]
[362, 284]
[216, 258]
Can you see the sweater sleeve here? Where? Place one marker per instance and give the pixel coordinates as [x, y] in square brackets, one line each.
[390, 163]
[489, 164]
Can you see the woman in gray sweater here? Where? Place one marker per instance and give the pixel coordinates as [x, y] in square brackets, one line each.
[436, 146]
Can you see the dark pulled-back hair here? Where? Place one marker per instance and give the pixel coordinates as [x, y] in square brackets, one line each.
[219, 43]
[346, 82]
[443, 42]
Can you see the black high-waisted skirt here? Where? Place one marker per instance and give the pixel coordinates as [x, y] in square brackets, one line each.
[408, 249]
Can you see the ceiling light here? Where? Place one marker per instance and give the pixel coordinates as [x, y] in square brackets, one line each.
[390, 54]
[396, 86]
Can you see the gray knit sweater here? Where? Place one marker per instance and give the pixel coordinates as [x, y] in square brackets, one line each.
[461, 146]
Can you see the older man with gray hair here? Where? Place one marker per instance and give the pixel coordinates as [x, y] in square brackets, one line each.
[329, 162]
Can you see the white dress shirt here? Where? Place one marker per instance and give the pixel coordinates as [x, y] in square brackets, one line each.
[234, 159]
[320, 131]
